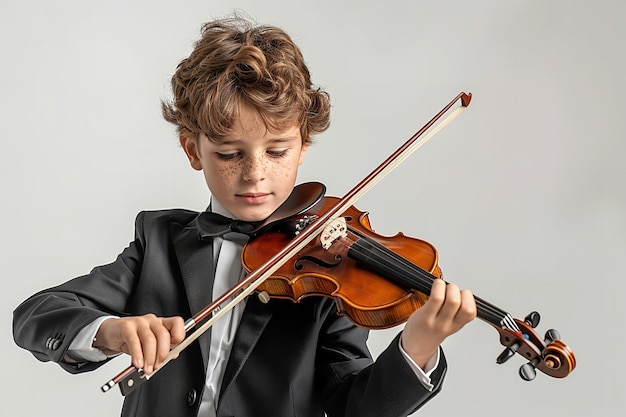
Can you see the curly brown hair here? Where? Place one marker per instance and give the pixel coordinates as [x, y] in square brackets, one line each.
[237, 62]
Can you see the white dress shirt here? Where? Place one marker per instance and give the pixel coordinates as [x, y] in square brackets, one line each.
[228, 272]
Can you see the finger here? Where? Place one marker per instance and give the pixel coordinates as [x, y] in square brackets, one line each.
[163, 342]
[436, 298]
[132, 346]
[176, 328]
[148, 347]
[467, 311]
[451, 304]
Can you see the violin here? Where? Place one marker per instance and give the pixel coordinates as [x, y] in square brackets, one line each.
[379, 281]
[331, 250]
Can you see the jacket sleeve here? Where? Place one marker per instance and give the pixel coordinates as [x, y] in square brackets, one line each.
[47, 322]
[357, 387]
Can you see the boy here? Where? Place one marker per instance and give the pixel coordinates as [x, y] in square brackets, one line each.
[246, 111]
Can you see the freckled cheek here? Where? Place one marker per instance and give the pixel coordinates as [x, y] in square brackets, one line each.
[290, 172]
[228, 172]
[282, 171]
[289, 169]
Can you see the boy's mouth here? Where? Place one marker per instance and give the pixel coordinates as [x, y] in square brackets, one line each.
[254, 198]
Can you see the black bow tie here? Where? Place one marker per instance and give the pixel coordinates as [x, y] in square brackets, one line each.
[213, 224]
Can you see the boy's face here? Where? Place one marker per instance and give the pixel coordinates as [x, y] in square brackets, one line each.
[252, 171]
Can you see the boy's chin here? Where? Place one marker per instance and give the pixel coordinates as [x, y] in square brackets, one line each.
[255, 215]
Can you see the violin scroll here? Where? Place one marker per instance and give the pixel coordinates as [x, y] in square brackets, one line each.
[548, 354]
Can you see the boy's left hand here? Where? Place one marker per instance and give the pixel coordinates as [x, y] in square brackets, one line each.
[447, 310]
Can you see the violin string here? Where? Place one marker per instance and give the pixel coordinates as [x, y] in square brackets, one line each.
[404, 272]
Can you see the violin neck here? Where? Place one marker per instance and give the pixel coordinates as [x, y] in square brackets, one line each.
[409, 275]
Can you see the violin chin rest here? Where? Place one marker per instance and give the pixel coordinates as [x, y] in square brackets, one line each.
[303, 197]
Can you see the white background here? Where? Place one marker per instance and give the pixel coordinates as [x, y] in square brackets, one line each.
[523, 194]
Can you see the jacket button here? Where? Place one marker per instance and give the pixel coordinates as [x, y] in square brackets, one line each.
[54, 342]
[192, 397]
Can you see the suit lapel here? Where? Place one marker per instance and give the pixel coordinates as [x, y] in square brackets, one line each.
[254, 320]
[195, 259]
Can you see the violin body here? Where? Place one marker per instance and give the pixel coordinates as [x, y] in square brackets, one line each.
[364, 296]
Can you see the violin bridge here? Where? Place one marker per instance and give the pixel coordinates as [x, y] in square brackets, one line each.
[336, 229]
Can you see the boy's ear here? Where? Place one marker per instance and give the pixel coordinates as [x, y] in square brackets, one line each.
[192, 150]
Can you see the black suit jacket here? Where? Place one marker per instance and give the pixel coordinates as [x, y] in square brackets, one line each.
[288, 359]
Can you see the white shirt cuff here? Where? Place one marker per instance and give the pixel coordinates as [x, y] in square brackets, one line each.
[422, 374]
[81, 348]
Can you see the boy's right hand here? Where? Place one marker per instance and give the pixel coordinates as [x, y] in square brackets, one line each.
[147, 339]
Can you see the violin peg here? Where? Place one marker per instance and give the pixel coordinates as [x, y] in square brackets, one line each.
[551, 336]
[533, 319]
[507, 353]
[527, 371]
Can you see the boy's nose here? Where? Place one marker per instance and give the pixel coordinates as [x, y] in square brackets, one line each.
[254, 169]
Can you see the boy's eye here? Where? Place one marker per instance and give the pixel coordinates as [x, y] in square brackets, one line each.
[277, 153]
[230, 156]
[227, 156]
